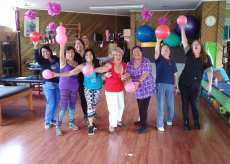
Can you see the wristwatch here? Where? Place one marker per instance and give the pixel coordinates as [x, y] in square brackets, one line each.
[139, 81]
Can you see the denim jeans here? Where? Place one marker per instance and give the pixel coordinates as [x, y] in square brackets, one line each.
[52, 97]
[164, 90]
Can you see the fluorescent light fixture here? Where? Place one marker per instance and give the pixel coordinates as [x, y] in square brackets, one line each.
[116, 7]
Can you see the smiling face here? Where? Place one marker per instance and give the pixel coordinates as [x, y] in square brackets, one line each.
[117, 57]
[46, 53]
[79, 46]
[137, 54]
[70, 55]
[89, 56]
[196, 47]
[165, 51]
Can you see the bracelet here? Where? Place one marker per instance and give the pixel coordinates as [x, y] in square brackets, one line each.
[35, 48]
[176, 87]
[139, 81]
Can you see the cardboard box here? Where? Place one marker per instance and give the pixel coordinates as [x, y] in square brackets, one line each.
[126, 32]
[111, 46]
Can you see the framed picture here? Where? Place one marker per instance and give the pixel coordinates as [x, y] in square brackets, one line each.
[30, 26]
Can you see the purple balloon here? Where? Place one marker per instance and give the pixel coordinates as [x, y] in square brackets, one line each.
[192, 27]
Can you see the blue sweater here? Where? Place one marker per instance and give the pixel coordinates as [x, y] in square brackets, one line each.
[46, 64]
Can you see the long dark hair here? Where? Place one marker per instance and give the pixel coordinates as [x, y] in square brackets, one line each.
[51, 53]
[95, 60]
[203, 52]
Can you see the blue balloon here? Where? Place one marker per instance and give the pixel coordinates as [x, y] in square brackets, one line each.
[192, 27]
[144, 33]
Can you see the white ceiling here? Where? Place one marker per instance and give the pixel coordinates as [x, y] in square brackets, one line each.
[82, 6]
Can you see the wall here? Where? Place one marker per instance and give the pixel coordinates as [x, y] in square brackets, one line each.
[90, 23]
[4, 31]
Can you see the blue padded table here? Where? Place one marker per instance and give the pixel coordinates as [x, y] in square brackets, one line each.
[9, 93]
[21, 80]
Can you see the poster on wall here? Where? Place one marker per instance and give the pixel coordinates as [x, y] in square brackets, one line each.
[30, 26]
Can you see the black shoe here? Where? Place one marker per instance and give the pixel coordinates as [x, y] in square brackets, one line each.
[141, 130]
[122, 126]
[186, 125]
[112, 132]
[196, 124]
[90, 132]
[95, 116]
[137, 123]
[94, 127]
[85, 119]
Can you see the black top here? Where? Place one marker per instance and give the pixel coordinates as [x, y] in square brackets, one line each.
[193, 71]
[79, 60]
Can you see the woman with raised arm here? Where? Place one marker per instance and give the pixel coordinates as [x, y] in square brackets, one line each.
[166, 83]
[68, 92]
[114, 88]
[190, 80]
[92, 85]
[140, 70]
[47, 60]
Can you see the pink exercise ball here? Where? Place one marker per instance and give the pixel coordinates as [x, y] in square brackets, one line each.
[130, 87]
[162, 32]
[182, 20]
[87, 70]
[47, 74]
[61, 30]
[61, 38]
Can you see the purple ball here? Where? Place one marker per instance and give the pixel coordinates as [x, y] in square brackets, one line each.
[192, 27]
[8, 37]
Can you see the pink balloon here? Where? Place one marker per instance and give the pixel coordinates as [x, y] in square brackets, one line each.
[61, 30]
[87, 70]
[61, 38]
[182, 20]
[47, 74]
[130, 87]
[162, 32]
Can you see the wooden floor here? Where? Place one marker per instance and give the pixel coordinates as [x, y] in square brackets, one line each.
[24, 140]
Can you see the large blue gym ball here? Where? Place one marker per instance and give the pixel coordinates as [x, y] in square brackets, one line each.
[192, 27]
[144, 33]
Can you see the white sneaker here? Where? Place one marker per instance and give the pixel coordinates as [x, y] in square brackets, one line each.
[169, 123]
[161, 129]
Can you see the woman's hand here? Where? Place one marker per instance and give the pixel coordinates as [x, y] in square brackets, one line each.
[183, 26]
[35, 44]
[175, 91]
[159, 40]
[125, 76]
[108, 74]
[54, 74]
[136, 85]
[209, 88]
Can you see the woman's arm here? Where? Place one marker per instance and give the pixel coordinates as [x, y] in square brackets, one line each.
[103, 69]
[141, 79]
[175, 84]
[62, 57]
[183, 36]
[37, 57]
[157, 49]
[75, 71]
[209, 87]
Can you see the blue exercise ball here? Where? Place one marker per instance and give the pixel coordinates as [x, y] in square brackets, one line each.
[173, 40]
[192, 27]
[154, 38]
[144, 33]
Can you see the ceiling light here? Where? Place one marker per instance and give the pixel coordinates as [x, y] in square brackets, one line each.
[165, 6]
[116, 7]
[26, 4]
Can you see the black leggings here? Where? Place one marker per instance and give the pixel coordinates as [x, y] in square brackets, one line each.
[189, 95]
[83, 100]
[143, 105]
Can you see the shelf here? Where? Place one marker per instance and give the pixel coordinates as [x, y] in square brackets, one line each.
[45, 43]
[107, 41]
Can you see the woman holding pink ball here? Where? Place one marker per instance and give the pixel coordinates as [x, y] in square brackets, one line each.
[47, 60]
[140, 70]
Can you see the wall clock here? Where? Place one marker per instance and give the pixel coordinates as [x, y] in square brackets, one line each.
[210, 21]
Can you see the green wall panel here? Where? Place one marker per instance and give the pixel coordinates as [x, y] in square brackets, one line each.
[211, 47]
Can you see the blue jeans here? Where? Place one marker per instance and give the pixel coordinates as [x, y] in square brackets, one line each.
[52, 97]
[164, 90]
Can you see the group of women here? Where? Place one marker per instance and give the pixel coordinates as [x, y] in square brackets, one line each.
[70, 65]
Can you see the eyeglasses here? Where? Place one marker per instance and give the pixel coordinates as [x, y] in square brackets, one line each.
[78, 44]
[136, 51]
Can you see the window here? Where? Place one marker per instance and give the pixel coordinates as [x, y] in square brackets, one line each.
[7, 17]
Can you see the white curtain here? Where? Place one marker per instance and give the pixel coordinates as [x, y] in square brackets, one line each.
[7, 17]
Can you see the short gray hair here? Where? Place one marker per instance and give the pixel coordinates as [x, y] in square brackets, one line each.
[115, 50]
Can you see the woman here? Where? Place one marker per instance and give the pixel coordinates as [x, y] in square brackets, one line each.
[140, 70]
[114, 88]
[92, 85]
[47, 60]
[166, 84]
[67, 90]
[79, 50]
[190, 80]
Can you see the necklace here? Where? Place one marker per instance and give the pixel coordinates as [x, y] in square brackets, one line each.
[169, 61]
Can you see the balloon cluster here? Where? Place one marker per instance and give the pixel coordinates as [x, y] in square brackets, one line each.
[61, 38]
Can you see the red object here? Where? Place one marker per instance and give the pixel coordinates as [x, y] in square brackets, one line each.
[114, 83]
[182, 20]
[162, 32]
[35, 36]
[87, 70]
[130, 87]
[47, 74]
[209, 95]
[217, 104]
